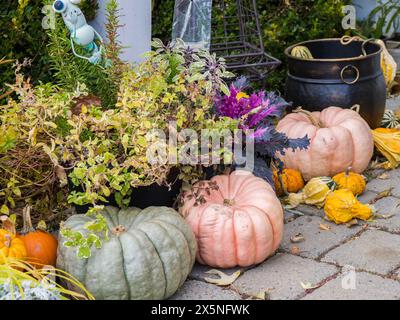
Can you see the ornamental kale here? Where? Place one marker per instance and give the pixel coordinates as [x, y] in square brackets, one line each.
[259, 112]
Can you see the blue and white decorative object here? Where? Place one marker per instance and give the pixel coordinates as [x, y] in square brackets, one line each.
[81, 33]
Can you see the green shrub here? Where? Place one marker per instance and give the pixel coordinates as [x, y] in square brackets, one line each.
[282, 25]
[22, 36]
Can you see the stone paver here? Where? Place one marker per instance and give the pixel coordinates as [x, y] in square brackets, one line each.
[311, 210]
[197, 290]
[393, 103]
[379, 185]
[366, 287]
[199, 272]
[388, 206]
[316, 241]
[367, 196]
[374, 251]
[281, 276]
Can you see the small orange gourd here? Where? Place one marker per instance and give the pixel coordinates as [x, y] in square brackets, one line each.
[350, 180]
[10, 246]
[291, 180]
[41, 246]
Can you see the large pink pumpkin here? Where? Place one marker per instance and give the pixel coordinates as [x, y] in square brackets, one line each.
[240, 224]
[340, 139]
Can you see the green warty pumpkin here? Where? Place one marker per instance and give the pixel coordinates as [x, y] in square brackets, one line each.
[149, 255]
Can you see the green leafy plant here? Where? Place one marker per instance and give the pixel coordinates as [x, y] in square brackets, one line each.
[21, 281]
[69, 71]
[382, 19]
[27, 173]
[106, 151]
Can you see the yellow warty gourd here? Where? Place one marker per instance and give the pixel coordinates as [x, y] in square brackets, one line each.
[387, 141]
[389, 66]
[350, 180]
[314, 192]
[341, 206]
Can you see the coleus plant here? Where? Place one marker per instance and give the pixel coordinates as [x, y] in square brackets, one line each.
[259, 112]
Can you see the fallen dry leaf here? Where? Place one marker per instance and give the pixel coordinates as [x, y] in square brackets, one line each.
[263, 294]
[297, 238]
[224, 279]
[383, 216]
[351, 223]
[381, 195]
[295, 250]
[383, 176]
[307, 286]
[324, 227]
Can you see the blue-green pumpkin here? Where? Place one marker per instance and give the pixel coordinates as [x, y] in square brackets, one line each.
[149, 255]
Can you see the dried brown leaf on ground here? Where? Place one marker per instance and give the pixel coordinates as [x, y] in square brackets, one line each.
[307, 285]
[224, 279]
[295, 250]
[324, 227]
[297, 238]
[352, 223]
[263, 294]
[383, 176]
[381, 195]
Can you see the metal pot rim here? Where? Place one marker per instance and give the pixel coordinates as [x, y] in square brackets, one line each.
[289, 49]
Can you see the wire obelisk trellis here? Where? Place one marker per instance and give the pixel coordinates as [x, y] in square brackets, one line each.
[235, 33]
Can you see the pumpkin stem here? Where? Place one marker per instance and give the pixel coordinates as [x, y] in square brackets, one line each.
[347, 172]
[118, 230]
[7, 243]
[229, 202]
[286, 193]
[26, 218]
[310, 116]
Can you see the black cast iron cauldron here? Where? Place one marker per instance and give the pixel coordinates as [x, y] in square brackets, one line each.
[339, 75]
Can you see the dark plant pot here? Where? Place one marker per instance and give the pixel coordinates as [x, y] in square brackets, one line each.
[338, 76]
[143, 197]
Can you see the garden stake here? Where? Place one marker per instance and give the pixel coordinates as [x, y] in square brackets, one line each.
[81, 33]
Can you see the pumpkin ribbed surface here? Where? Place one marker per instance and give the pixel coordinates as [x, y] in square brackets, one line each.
[11, 246]
[239, 224]
[149, 255]
[339, 139]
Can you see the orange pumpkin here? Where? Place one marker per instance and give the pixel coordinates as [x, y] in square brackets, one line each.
[291, 179]
[41, 246]
[340, 138]
[240, 223]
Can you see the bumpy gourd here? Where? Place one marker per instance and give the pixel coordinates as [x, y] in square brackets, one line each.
[340, 138]
[388, 64]
[239, 224]
[291, 179]
[302, 52]
[314, 193]
[341, 206]
[350, 180]
[10, 246]
[387, 141]
[149, 255]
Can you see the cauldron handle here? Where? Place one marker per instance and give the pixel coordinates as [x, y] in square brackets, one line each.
[350, 66]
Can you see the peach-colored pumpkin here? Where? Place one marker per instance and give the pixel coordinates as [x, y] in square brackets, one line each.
[240, 224]
[340, 138]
